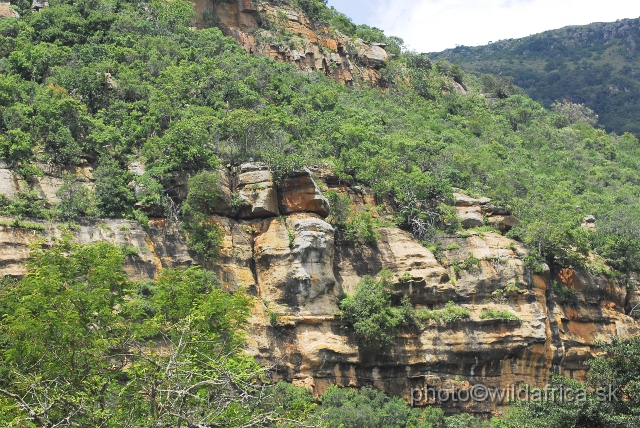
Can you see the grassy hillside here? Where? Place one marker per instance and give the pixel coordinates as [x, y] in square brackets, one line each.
[596, 64]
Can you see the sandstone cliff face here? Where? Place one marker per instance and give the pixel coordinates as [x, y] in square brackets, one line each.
[280, 248]
[272, 29]
[7, 12]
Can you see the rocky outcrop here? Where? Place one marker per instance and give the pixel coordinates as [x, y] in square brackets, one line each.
[294, 265]
[256, 191]
[7, 12]
[478, 212]
[45, 186]
[589, 223]
[281, 250]
[300, 193]
[259, 27]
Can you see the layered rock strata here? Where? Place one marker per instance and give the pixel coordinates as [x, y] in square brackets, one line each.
[280, 248]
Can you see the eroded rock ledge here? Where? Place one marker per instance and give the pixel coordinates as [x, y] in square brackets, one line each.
[279, 246]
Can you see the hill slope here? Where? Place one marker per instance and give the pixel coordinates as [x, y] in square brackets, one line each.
[121, 122]
[596, 64]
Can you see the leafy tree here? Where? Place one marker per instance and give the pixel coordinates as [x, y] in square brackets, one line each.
[114, 197]
[24, 204]
[75, 200]
[292, 403]
[576, 112]
[16, 151]
[203, 235]
[371, 315]
[365, 408]
[82, 345]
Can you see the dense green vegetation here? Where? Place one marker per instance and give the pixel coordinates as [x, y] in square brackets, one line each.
[594, 65]
[370, 313]
[84, 346]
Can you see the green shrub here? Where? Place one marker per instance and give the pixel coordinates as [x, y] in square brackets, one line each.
[406, 277]
[497, 315]
[340, 208]
[291, 402]
[371, 315]
[75, 200]
[357, 223]
[565, 296]
[203, 195]
[512, 287]
[141, 217]
[366, 408]
[16, 149]
[114, 197]
[204, 237]
[472, 264]
[534, 262]
[450, 313]
[464, 420]
[23, 224]
[364, 223]
[25, 204]
[129, 250]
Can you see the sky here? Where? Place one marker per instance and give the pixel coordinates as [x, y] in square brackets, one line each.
[435, 25]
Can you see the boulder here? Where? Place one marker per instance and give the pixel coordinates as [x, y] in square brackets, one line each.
[470, 216]
[47, 187]
[372, 55]
[7, 12]
[39, 4]
[462, 200]
[589, 223]
[503, 223]
[300, 193]
[495, 210]
[7, 183]
[256, 191]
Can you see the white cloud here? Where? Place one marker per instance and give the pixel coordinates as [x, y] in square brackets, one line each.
[435, 25]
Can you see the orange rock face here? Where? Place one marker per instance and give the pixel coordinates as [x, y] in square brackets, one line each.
[349, 61]
[298, 268]
[301, 194]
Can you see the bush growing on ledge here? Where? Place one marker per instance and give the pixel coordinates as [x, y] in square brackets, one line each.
[492, 314]
[370, 313]
[450, 313]
[565, 296]
[357, 223]
[25, 204]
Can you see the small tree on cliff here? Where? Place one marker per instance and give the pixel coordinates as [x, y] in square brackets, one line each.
[203, 236]
[371, 315]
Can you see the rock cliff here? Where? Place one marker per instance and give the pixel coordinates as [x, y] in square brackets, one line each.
[282, 32]
[279, 246]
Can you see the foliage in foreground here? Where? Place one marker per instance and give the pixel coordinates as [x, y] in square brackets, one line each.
[618, 368]
[83, 346]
